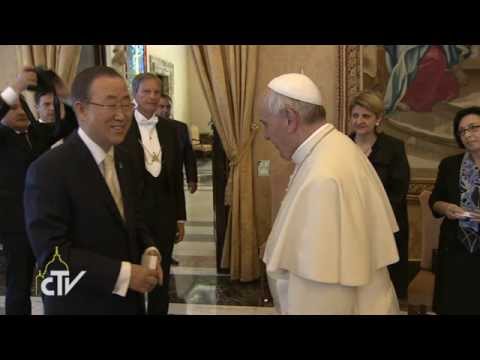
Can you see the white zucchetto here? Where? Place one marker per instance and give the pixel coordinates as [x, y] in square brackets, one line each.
[298, 87]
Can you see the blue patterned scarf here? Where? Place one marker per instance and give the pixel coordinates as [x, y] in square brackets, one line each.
[469, 200]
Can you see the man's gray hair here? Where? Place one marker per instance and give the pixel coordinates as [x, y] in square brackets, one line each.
[276, 104]
[138, 79]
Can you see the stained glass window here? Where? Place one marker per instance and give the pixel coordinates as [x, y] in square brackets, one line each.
[135, 62]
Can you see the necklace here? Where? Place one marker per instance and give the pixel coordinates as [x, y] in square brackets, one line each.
[366, 150]
[297, 168]
[154, 156]
[366, 146]
[150, 134]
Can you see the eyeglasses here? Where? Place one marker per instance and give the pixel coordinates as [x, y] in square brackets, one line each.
[472, 128]
[125, 108]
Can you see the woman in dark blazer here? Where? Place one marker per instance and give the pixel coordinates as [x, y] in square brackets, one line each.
[389, 159]
[456, 197]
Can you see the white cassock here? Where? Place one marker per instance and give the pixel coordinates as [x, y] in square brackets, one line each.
[332, 239]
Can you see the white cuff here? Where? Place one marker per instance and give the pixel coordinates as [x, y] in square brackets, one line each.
[10, 96]
[123, 280]
[181, 221]
[152, 248]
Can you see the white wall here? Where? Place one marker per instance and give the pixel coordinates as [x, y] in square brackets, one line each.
[176, 54]
[8, 65]
[189, 104]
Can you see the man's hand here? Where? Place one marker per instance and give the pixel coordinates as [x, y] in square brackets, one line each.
[28, 77]
[158, 268]
[180, 233]
[142, 279]
[192, 187]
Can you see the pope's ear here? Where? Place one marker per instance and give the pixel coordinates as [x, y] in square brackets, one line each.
[293, 119]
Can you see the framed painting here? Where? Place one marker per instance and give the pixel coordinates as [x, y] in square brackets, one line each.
[164, 70]
[116, 57]
[423, 86]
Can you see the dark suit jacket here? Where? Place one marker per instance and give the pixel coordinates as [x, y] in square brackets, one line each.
[457, 271]
[68, 204]
[163, 199]
[447, 189]
[187, 155]
[68, 125]
[4, 108]
[389, 159]
[15, 157]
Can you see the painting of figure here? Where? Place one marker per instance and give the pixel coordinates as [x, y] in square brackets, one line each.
[423, 86]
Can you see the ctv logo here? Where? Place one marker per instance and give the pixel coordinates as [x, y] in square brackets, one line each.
[60, 279]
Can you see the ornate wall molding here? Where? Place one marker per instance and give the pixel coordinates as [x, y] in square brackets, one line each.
[417, 186]
[349, 82]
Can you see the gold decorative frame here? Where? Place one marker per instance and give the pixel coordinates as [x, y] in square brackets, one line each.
[349, 82]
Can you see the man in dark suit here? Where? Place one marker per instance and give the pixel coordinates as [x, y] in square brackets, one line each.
[44, 104]
[154, 146]
[69, 121]
[81, 200]
[187, 155]
[22, 140]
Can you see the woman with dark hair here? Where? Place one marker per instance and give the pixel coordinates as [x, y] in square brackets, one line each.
[389, 159]
[456, 197]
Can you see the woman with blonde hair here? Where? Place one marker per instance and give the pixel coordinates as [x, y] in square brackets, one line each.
[388, 157]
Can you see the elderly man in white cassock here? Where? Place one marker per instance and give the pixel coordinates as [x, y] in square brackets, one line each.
[332, 240]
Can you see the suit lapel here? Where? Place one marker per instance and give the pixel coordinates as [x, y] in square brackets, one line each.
[136, 140]
[128, 204]
[163, 139]
[124, 188]
[95, 180]
[135, 129]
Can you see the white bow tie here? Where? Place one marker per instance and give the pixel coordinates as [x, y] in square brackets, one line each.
[148, 122]
[143, 121]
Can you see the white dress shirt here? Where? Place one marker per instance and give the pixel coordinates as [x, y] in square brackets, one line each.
[10, 96]
[123, 280]
[150, 143]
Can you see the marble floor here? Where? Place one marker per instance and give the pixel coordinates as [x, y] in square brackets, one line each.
[196, 288]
